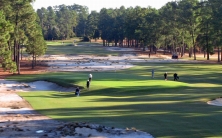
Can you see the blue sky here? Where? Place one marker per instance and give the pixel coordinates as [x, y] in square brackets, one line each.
[99, 4]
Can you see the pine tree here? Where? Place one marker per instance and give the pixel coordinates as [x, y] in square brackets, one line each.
[5, 53]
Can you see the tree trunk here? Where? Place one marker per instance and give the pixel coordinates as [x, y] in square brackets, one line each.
[21, 53]
[221, 54]
[116, 42]
[18, 59]
[180, 51]
[33, 58]
[190, 52]
[104, 44]
[14, 50]
[155, 49]
[218, 51]
[208, 49]
[194, 46]
[16, 45]
[182, 48]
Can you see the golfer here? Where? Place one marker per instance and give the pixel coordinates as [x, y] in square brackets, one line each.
[165, 76]
[90, 77]
[175, 76]
[77, 91]
[152, 73]
[87, 84]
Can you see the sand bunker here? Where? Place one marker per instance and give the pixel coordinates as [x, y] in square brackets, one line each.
[217, 102]
[32, 86]
[71, 63]
[86, 63]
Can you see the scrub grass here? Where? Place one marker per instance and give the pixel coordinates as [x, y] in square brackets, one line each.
[83, 48]
[131, 98]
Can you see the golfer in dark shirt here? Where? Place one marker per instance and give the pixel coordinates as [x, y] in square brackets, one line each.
[175, 76]
[87, 84]
[165, 76]
[77, 91]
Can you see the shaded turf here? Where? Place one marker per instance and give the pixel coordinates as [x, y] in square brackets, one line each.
[84, 48]
[130, 98]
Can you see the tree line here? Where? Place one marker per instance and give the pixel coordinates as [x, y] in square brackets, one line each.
[63, 22]
[179, 26]
[19, 28]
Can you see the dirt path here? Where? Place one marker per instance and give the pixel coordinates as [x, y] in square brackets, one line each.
[18, 119]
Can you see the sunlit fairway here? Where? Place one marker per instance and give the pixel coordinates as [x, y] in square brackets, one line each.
[56, 48]
[131, 98]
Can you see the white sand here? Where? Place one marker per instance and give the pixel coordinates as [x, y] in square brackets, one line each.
[32, 86]
[95, 134]
[217, 102]
[72, 63]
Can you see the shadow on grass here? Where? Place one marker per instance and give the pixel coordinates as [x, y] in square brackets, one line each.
[175, 112]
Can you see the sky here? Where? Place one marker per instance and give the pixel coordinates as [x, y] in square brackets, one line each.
[99, 4]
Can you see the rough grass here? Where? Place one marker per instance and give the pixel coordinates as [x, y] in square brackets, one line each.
[84, 48]
[130, 98]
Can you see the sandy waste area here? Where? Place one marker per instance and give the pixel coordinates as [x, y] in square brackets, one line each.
[98, 63]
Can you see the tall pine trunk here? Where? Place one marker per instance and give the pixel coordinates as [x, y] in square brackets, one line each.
[190, 52]
[207, 42]
[221, 54]
[33, 58]
[194, 46]
[16, 46]
[18, 59]
[218, 51]
[104, 43]
[116, 41]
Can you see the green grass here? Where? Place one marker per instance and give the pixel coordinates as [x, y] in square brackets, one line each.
[212, 58]
[77, 39]
[85, 48]
[130, 98]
